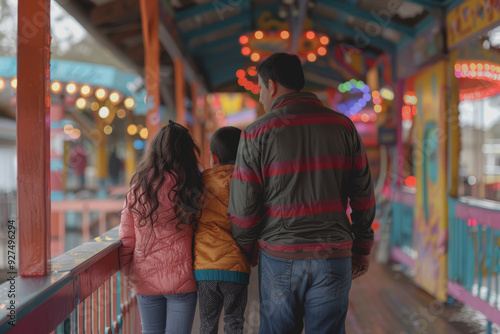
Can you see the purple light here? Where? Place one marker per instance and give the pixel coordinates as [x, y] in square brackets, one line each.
[366, 89]
[367, 97]
[458, 74]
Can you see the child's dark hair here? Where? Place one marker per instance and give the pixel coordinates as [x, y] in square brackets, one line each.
[224, 144]
[172, 150]
[284, 68]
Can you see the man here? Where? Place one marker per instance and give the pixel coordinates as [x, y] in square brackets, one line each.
[296, 168]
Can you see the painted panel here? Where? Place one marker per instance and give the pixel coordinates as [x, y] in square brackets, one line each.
[431, 211]
[469, 19]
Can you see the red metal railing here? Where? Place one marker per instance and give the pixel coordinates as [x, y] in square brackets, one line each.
[84, 293]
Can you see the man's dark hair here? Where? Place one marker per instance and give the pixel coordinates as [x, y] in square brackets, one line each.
[284, 68]
[224, 144]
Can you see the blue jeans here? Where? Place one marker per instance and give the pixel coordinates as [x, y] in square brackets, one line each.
[292, 291]
[167, 314]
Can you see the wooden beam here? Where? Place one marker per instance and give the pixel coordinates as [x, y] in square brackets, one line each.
[114, 11]
[33, 138]
[76, 10]
[150, 21]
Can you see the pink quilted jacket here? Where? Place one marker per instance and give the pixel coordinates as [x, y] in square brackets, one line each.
[156, 263]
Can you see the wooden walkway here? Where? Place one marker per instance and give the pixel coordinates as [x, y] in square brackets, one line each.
[385, 301]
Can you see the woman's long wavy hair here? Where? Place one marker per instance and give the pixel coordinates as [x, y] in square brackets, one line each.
[172, 150]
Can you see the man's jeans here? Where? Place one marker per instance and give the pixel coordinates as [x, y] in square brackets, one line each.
[167, 314]
[292, 290]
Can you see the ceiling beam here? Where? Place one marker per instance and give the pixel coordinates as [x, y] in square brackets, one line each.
[372, 16]
[168, 42]
[214, 47]
[79, 14]
[243, 21]
[113, 11]
[220, 6]
[361, 39]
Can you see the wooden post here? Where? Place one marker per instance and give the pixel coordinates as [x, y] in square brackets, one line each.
[33, 134]
[150, 21]
[180, 93]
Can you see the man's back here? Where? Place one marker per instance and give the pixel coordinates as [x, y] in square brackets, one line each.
[305, 161]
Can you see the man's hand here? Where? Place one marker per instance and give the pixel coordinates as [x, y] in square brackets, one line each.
[360, 264]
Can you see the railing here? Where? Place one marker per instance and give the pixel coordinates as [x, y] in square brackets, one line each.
[83, 294]
[81, 212]
[474, 255]
[402, 248]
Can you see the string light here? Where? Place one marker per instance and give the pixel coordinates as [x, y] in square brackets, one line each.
[81, 103]
[85, 90]
[129, 103]
[71, 88]
[132, 129]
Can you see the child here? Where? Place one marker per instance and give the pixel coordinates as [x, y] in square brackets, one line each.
[220, 267]
[156, 230]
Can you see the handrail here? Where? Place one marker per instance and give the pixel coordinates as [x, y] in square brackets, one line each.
[43, 303]
[402, 248]
[474, 254]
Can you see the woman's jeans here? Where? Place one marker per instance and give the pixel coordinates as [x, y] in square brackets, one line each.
[296, 291]
[167, 314]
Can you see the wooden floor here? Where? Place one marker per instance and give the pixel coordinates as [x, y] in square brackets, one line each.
[385, 301]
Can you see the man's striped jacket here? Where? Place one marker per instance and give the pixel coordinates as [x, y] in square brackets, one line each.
[296, 168]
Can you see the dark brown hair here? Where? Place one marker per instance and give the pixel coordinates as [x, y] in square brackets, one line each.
[172, 150]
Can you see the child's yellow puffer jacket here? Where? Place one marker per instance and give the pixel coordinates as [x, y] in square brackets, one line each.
[217, 257]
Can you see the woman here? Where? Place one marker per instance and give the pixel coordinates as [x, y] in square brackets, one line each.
[161, 210]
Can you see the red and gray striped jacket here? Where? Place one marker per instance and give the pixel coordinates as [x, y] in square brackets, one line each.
[296, 168]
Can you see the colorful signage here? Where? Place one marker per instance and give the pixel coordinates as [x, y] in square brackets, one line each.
[469, 19]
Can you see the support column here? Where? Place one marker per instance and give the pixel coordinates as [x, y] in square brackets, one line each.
[33, 135]
[180, 94]
[150, 21]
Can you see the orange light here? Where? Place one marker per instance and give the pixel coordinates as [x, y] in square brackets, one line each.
[365, 118]
[406, 115]
[252, 71]
[414, 110]
[240, 73]
[259, 34]
[285, 34]
[311, 57]
[375, 94]
[322, 51]
[255, 57]
[249, 85]
[457, 67]
[310, 34]
[377, 108]
[411, 181]
[246, 51]
[243, 39]
[242, 81]
[406, 109]
[324, 40]
[255, 89]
